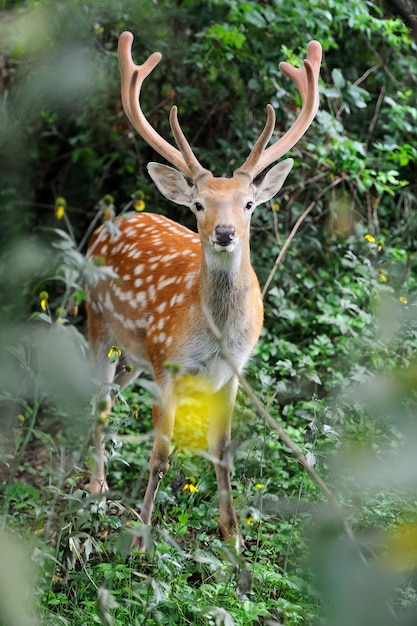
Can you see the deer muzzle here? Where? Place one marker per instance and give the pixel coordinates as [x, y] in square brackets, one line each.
[224, 235]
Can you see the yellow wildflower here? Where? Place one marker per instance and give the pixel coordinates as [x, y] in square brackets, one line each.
[190, 485]
[102, 418]
[139, 205]
[260, 486]
[114, 353]
[138, 202]
[403, 300]
[60, 206]
[190, 488]
[250, 520]
[383, 277]
[43, 300]
[370, 238]
[275, 206]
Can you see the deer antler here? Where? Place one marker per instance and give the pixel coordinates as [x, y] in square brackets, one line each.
[132, 76]
[306, 79]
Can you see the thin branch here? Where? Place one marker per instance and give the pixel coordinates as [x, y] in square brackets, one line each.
[375, 116]
[357, 82]
[292, 234]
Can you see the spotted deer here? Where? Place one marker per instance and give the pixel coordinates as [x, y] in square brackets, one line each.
[170, 280]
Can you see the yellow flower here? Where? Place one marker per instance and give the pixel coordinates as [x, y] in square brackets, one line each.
[275, 206]
[370, 238]
[138, 200]
[139, 205]
[102, 418]
[190, 488]
[403, 300]
[380, 245]
[190, 485]
[43, 300]
[250, 520]
[383, 277]
[260, 486]
[60, 205]
[114, 353]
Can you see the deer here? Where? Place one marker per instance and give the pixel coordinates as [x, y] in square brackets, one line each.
[171, 279]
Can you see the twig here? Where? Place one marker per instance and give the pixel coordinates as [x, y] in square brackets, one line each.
[375, 116]
[292, 234]
[358, 81]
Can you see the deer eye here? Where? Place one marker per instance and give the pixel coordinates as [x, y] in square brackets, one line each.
[249, 205]
[198, 206]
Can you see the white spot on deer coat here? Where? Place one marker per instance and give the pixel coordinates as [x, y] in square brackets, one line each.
[141, 298]
[190, 279]
[152, 292]
[164, 282]
[123, 295]
[108, 303]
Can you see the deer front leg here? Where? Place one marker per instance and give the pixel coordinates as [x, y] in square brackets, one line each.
[220, 450]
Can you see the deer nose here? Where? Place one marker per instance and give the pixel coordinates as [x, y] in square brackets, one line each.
[224, 234]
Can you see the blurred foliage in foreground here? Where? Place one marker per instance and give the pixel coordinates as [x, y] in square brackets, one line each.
[337, 358]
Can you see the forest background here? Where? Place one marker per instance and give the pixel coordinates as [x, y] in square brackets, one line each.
[336, 362]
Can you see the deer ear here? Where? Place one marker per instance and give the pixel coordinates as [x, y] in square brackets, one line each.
[171, 183]
[272, 182]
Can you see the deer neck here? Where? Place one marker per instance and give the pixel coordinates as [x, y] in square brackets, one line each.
[225, 281]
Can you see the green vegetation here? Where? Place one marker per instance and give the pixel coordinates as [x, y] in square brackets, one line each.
[336, 363]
